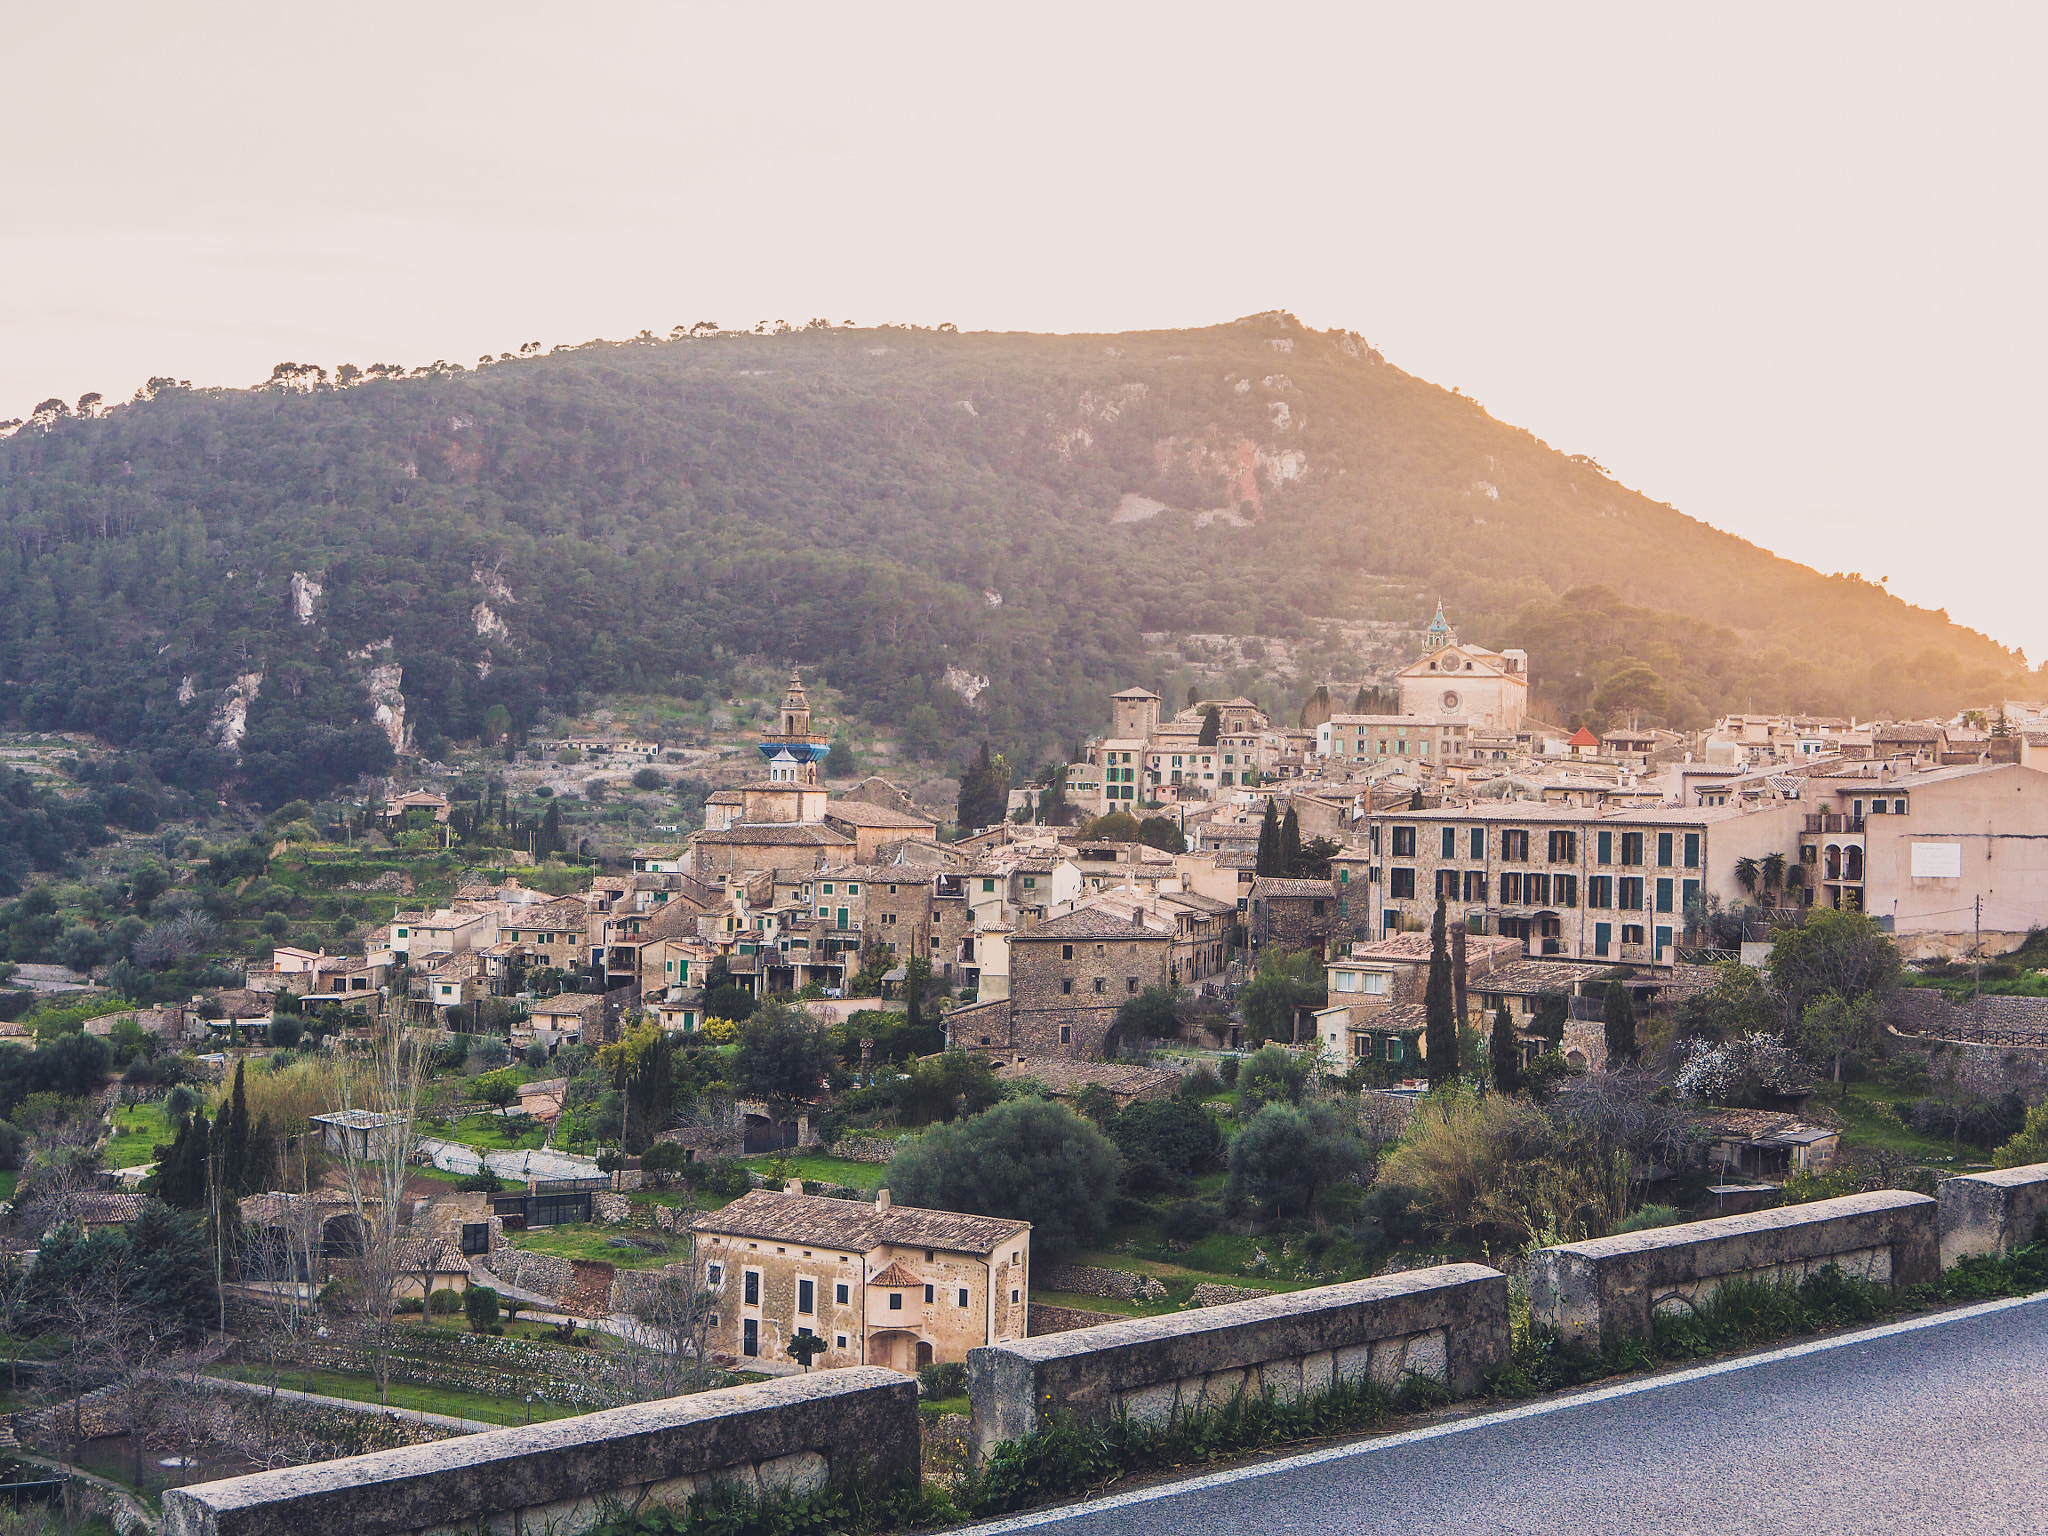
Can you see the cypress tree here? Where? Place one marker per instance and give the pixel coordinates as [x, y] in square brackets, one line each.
[1290, 844]
[1504, 1053]
[550, 839]
[181, 1176]
[1619, 1015]
[1212, 726]
[1441, 1037]
[233, 1133]
[1269, 841]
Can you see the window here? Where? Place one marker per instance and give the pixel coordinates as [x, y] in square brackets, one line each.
[750, 1337]
[853, 890]
[1511, 889]
[806, 1297]
[1599, 890]
[1404, 842]
[1631, 894]
[1564, 890]
[839, 1341]
[1692, 850]
[1603, 938]
[1688, 893]
[1663, 895]
[1131, 985]
[1605, 844]
[1450, 842]
[1631, 847]
[1101, 983]
[1564, 847]
[1631, 933]
[1066, 986]
[1066, 1034]
[1031, 882]
[1475, 885]
[895, 1301]
[1536, 890]
[988, 884]
[1664, 850]
[1477, 841]
[839, 1295]
[1013, 1295]
[753, 1288]
[1898, 807]
[716, 1274]
[1401, 883]
[1447, 884]
[1066, 951]
[476, 1237]
[963, 1295]
[927, 1295]
[1514, 846]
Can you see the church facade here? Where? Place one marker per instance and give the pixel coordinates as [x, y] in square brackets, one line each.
[1488, 689]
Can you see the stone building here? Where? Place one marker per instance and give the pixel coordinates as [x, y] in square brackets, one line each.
[1569, 881]
[880, 1284]
[1292, 914]
[1068, 978]
[1487, 688]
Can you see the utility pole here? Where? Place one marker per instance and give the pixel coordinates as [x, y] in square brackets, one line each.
[1977, 953]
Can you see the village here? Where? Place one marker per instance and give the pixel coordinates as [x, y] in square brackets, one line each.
[773, 1097]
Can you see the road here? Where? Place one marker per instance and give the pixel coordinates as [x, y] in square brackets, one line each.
[1936, 1425]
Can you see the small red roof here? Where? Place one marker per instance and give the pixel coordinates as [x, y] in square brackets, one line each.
[1583, 738]
[896, 1274]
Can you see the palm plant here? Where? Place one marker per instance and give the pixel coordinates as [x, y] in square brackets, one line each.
[1747, 873]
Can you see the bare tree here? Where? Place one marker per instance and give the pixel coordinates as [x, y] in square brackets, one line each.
[666, 1353]
[380, 1099]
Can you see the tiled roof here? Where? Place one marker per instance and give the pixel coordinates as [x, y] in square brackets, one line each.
[853, 1225]
[1533, 976]
[778, 834]
[1273, 885]
[863, 813]
[1394, 1019]
[1089, 923]
[896, 1274]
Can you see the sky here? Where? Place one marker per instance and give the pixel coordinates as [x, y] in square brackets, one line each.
[1778, 265]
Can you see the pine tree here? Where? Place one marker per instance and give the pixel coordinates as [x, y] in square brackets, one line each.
[1290, 844]
[1504, 1052]
[1619, 1015]
[1441, 1036]
[1269, 842]
[233, 1134]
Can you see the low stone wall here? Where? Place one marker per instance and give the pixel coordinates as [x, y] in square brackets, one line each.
[610, 1207]
[794, 1434]
[1991, 1213]
[864, 1149]
[545, 1274]
[1044, 1319]
[1088, 1280]
[1450, 1324]
[1209, 1294]
[1610, 1287]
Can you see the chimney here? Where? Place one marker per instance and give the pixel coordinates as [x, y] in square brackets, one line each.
[793, 1187]
[881, 1199]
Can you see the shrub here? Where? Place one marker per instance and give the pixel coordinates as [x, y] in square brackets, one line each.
[1283, 1160]
[1650, 1216]
[1201, 1083]
[723, 1178]
[943, 1378]
[445, 1303]
[480, 1307]
[1025, 1159]
[1189, 1221]
[408, 1305]
[1228, 1071]
[484, 1182]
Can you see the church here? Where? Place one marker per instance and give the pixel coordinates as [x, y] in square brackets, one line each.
[1489, 689]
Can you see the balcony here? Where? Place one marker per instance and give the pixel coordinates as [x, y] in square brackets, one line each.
[1833, 821]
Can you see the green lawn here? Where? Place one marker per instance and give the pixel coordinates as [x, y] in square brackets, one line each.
[8, 1179]
[825, 1170]
[1871, 1122]
[490, 1133]
[138, 1131]
[362, 1388]
[591, 1240]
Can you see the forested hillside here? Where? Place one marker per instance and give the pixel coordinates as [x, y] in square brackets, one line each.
[234, 582]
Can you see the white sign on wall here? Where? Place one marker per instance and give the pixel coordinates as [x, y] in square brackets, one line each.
[1937, 861]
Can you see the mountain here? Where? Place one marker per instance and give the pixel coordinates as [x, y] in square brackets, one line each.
[263, 591]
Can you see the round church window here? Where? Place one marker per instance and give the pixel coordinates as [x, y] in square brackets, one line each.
[1451, 702]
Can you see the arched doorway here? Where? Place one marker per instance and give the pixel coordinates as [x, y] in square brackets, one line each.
[896, 1348]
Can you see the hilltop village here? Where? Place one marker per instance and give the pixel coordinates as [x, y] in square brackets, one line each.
[845, 1076]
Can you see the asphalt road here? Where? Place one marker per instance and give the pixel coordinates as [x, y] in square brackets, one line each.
[1936, 1425]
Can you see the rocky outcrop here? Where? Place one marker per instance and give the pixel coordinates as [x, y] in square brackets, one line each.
[387, 703]
[231, 715]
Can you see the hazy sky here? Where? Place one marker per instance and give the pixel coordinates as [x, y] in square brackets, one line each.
[1779, 265]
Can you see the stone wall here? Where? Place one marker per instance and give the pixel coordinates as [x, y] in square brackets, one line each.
[1209, 1294]
[1044, 1319]
[609, 1207]
[1450, 1324]
[864, 1149]
[793, 1435]
[1087, 1280]
[1612, 1286]
[1991, 1213]
[545, 1274]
